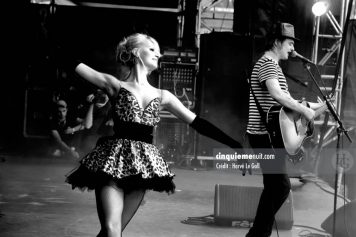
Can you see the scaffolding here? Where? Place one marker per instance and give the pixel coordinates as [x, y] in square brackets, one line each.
[214, 16]
[326, 135]
[322, 55]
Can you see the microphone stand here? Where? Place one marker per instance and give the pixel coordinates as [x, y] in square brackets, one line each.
[341, 129]
[299, 82]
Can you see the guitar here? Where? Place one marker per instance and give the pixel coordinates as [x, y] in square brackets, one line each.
[288, 129]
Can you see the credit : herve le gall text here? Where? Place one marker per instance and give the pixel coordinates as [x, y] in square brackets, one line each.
[236, 166]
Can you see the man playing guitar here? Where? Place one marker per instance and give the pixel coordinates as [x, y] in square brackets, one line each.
[268, 87]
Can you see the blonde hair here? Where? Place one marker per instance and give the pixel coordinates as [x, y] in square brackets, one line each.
[126, 54]
[125, 49]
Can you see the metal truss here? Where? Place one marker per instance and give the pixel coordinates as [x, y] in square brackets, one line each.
[322, 60]
[328, 129]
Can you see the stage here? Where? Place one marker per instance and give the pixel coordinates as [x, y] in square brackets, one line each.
[35, 201]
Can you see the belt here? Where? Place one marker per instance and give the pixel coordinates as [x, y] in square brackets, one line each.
[134, 131]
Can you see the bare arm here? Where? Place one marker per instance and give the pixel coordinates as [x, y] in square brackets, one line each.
[75, 128]
[88, 120]
[316, 106]
[175, 106]
[286, 100]
[202, 126]
[104, 81]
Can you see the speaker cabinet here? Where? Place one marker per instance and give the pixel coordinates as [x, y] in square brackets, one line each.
[222, 88]
[239, 204]
[344, 222]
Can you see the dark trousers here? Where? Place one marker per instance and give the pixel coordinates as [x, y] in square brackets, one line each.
[276, 188]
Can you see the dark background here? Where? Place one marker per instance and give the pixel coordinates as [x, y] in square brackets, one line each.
[31, 33]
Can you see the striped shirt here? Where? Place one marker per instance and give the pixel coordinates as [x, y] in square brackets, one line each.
[264, 69]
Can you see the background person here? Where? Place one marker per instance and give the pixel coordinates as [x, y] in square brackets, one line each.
[64, 128]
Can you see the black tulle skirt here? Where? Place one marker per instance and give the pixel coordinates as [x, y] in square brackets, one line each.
[85, 179]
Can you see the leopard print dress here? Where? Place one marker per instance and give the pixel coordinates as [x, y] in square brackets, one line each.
[130, 163]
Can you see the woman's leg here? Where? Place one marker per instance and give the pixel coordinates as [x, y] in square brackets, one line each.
[132, 201]
[110, 205]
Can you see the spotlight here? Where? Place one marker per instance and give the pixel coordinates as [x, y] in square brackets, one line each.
[320, 7]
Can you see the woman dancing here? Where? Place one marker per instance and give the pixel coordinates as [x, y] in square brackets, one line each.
[122, 167]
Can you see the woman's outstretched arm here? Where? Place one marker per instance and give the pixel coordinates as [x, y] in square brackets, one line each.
[202, 126]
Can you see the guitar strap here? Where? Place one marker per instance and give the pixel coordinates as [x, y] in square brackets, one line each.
[260, 110]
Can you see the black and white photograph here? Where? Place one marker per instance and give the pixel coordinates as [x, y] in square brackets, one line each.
[178, 118]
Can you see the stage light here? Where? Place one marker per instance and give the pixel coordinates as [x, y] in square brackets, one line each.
[320, 7]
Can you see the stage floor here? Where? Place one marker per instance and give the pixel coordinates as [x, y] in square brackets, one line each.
[35, 201]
